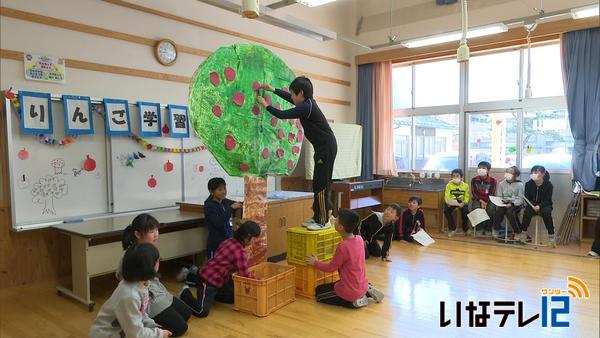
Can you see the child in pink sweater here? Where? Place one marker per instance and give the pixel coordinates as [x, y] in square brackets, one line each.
[353, 289]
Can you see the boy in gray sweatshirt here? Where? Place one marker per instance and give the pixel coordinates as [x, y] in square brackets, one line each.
[510, 190]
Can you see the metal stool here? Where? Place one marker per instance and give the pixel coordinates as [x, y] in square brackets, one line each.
[536, 241]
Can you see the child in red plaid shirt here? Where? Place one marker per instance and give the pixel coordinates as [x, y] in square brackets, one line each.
[215, 281]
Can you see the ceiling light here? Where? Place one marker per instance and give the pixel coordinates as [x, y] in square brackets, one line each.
[455, 36]
[314, 3]
[585, 11]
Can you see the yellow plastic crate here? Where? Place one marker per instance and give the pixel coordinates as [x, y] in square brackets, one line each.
[308, 278]
[302, 242]
[261, 297]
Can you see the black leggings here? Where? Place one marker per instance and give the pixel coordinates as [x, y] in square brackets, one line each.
[325, 293]
[545, 212]
[324, 160]
[174, 318]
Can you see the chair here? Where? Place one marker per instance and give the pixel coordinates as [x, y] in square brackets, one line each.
[536, 241]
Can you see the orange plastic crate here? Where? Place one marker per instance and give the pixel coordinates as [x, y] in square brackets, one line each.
[308, 277]
[302, 242]
[260, 297]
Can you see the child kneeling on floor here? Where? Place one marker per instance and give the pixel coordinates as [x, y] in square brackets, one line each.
[214, 278]
[352, 290]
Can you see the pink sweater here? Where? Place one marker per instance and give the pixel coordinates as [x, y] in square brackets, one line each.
[349, 260]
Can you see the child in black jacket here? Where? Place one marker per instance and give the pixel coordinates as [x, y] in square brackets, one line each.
[376, 224]
[411, 220]
[538, 190]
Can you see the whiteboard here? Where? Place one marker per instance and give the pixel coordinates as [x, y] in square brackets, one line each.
[130, 185]
[112, 187]
[348, 160]
[81, 193]
[202, 166]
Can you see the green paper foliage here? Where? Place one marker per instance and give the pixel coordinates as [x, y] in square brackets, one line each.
[241, 136]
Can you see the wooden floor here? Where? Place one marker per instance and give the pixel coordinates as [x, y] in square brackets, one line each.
[414, 284]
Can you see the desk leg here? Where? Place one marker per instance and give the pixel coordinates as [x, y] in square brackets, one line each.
[79, 273]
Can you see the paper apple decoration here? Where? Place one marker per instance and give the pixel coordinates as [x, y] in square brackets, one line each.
[89, 164]
[165, 129]
[243, 137]
[168, 166]
[23, 154]
[152, 181]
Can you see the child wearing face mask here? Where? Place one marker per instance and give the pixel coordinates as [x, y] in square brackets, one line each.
[482, 186]
[458, 191]
[538, 190]
[510, 190]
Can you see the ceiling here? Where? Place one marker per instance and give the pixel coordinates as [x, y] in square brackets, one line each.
[368, 21]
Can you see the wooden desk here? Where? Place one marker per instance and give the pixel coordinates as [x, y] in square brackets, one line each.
[96, 245]
[356, 195]
[286, 209]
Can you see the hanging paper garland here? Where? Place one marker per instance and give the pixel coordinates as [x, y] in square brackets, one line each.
[53, 142]
[152, 147]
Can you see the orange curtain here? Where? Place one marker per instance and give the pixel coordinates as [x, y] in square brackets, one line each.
[383, 120]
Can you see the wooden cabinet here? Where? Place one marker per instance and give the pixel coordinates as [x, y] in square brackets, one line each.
[588, 214]
[282, 215]
[433, 203]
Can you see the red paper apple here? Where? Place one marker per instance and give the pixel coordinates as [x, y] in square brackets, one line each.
[152, 181]
[23, 154]
[168, 166]
[89, 164]
[165, 129]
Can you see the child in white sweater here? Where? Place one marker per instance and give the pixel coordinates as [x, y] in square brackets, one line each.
[125, 313]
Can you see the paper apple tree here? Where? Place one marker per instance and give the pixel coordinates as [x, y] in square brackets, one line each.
[243, 137]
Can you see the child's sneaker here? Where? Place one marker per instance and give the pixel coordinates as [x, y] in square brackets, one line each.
[317, 226]
[182, 274]
[377, 295]
[452, 233]
[308, 222]
[523, 237]
[361, 302]
[495, 233]
[594, 254]
[551, 241]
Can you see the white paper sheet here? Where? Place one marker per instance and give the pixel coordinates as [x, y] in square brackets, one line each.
[453, 203]
[497, 201]
[423, 238]
[477, 216]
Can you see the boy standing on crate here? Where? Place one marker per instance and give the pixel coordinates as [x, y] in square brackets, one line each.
[352, 290]
[319, 134]
[213, 281]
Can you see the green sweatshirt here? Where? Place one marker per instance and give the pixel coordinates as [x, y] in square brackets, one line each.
[457, 192]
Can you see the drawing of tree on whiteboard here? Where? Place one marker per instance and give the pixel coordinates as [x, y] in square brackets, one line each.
[46, 190]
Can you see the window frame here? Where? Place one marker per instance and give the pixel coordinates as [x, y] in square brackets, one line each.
[464, 108]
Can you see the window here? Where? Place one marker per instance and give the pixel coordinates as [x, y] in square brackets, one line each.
[402, 87]
[436, 138]
[493, 138]
[546, 71]
[547, 139]
[494, 77]
[436, 142]
[402, 146]
[436, 83]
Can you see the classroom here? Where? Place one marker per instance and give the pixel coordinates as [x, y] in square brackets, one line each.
[300, 168]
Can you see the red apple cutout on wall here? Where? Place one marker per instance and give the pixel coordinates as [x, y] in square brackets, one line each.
[165, 129]
[23, 154]
[89, 164]
[168, 166]
[152, 181]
